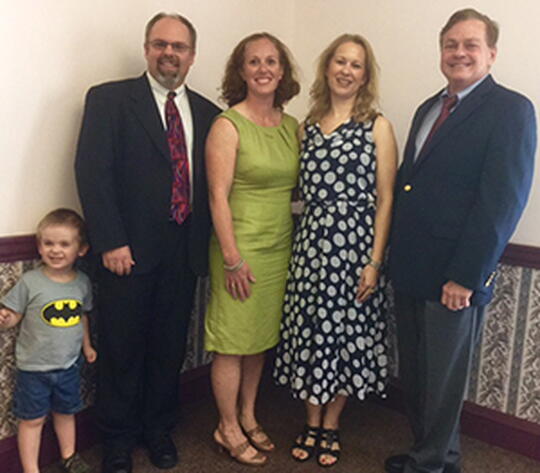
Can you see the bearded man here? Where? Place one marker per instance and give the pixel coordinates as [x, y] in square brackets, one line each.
[142, 185]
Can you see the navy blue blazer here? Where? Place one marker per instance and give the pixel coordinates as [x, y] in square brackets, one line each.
[457, 206]
[124, 173]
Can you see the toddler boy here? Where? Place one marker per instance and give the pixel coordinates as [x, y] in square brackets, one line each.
[51, 303]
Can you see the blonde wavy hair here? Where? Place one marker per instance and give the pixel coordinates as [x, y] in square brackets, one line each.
[365, 105]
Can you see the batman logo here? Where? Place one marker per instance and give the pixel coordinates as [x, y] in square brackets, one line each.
[62, 313]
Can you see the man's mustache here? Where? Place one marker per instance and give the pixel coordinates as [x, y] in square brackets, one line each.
[170, 60]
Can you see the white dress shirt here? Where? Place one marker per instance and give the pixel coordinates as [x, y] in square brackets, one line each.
[182, 103]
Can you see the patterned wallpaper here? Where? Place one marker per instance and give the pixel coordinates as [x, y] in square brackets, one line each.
[506, 367]
[506, 375]
[506, 372]
[9, 274]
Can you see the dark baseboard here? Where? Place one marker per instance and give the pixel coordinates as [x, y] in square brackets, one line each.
[86, 437]
[489, 426]
[502, 430]
[194, 385]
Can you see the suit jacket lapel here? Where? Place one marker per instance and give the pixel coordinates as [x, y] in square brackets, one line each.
[410, 147]
[144, 107]
[462, 112]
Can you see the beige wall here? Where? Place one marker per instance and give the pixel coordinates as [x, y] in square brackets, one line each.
[55, 49]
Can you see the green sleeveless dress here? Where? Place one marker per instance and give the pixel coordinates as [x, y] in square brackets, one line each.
[266, 172]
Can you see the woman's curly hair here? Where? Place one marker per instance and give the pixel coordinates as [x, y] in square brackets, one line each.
[233, 86]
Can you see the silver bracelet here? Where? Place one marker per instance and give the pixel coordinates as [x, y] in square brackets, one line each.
[234, 268]
[375, 264]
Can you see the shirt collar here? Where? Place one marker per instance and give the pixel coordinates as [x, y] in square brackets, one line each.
[160, 90]
[462, 94]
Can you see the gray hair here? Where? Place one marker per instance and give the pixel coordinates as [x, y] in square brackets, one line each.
[174, 16]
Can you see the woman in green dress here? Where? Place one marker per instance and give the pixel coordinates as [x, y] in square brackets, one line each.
[252, 165]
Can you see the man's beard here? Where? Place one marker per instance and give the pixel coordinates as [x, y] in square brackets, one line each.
[169, 79]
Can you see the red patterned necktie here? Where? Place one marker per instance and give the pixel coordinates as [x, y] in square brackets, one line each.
[448, 103]
[180, 165]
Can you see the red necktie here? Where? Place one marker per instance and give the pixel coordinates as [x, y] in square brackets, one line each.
[180, 164]
[448, 103]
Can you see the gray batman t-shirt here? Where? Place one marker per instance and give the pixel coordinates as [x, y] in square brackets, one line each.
[51, 328]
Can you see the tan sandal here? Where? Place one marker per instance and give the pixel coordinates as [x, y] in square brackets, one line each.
[237, 452]
[265, 445]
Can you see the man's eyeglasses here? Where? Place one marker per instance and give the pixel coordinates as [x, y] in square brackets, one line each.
[161, 45]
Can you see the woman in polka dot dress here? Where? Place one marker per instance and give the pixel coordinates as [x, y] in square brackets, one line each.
[333, 329]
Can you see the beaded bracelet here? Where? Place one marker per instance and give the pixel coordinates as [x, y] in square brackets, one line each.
[234, 268]
[374, 263]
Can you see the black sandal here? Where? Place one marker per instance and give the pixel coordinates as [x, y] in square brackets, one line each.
[330, 437]
[309, 433]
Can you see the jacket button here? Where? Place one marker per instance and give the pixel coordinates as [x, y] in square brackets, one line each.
[490, 279]
[407, 187]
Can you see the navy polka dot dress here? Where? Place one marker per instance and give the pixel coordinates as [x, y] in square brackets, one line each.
[330, 344]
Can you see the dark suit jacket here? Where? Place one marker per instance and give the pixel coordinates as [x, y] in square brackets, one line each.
[457, 206]
[124, 173]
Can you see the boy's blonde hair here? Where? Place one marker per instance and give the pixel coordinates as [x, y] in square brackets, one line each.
[67, 217]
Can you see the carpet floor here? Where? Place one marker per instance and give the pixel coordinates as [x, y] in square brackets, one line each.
[369, 433]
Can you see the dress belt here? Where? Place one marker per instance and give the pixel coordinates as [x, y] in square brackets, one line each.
[363, 203]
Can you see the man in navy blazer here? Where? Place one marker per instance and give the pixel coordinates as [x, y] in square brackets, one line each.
[459, 195]
[147, 279]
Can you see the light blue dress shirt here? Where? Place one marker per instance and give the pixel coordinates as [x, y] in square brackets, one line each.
[434, 112]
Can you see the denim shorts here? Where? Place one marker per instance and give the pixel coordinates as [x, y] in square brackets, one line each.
[39, 392]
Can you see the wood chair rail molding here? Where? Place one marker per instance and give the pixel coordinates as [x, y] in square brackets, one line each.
[23, 248]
